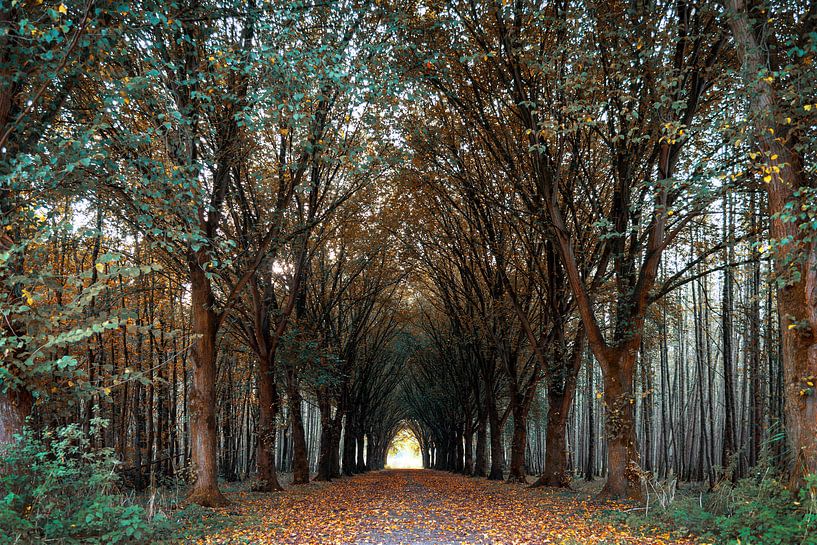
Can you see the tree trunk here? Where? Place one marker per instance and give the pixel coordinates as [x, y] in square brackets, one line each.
[623, 479]
[267, 431]
[797, 300]
[337, 426]
[349, 446]
[360, 464]
[15, 406]
[469, 442]
[459, 452]
[205, 490]
[325, 455]
[480, 458]
[516, 471]
[300, 463]
[497, 455]
[590, 461]
[555, 472]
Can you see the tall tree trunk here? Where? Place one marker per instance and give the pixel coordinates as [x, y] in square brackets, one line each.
[623, 479]
[729, 439]
[360, 463]
[497, 454]
[205, 490]
[590, 460]
[300, 463]
[555, 472]
[326, 443]
[561, 391]
[480, 458]
[468, 469]
[516, 471]
[349, 462]
[755, 375]
[797, 300]
[337, 426]
[267, 431]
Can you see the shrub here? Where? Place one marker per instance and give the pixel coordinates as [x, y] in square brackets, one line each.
[756, 510]
[55, 488]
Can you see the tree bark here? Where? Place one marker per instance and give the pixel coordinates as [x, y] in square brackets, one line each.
[468, 469]
[349, 446]
[300, 463]
[516, 471]
[480, 460]
[267, 431]
[555, 472]
[623, 479]
[15, 407]
[205, 490]
[497, 455]
[797, 300]
[325, 454]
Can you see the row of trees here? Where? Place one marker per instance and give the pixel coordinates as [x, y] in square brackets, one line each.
[222, 161]
[456, 218]
[591, 172]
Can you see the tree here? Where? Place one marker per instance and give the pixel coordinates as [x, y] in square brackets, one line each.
[777, 71]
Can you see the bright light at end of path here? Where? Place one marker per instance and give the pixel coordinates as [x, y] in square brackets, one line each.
[404, 452]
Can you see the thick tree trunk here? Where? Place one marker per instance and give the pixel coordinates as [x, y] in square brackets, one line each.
[469, 454]
[325, 453]
[267, 431]
[518, 445]
[623, 479]
[555, 471]
[459, 452]
[337, 426]
[205, 490]
[300, 463]
[15, 407]
[497, 455]
[797, 301]
[349, 463]
[480, 458]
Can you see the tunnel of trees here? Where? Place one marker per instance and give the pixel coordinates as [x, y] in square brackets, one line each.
[553, 240]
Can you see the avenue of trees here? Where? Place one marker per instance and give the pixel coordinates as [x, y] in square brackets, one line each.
[554, 240]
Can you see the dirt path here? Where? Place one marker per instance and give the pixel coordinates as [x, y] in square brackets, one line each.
[417, 507]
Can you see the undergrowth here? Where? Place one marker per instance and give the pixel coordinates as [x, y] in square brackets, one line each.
[757, 510]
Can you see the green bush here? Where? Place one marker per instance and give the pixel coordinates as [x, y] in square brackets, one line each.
[54, 488]
[756, 510]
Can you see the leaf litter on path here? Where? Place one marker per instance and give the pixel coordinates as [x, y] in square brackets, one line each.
[402, 507]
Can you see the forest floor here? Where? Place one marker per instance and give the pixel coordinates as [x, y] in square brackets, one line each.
[401, 507]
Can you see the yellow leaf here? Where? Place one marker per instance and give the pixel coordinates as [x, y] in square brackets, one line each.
[774, 157]
[767, 178]
[29, 298]
[807, 107]
[100, 267]
[62, 9]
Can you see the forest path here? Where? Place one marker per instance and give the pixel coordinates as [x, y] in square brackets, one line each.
[401, 507]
